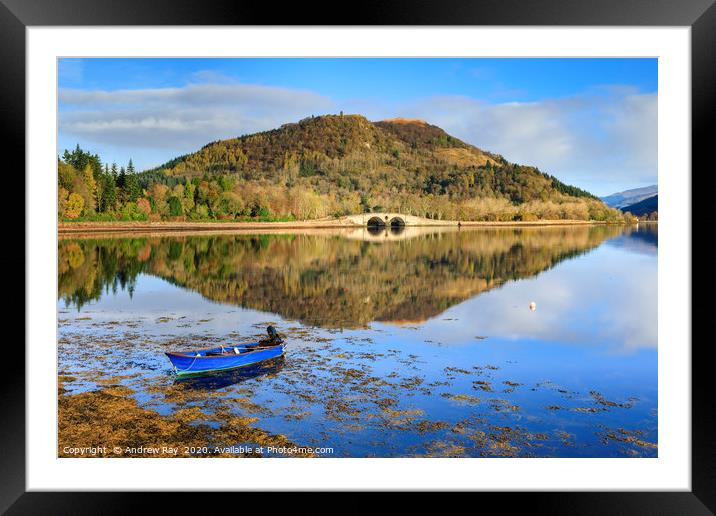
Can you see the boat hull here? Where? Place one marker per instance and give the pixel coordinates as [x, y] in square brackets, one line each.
[190, 363]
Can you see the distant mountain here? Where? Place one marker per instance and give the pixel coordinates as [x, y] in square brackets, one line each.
[644, 207]
[628, 197]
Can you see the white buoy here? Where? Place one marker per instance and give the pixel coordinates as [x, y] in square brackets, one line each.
[533, 306]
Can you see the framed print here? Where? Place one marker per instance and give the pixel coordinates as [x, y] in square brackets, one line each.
[417, 250]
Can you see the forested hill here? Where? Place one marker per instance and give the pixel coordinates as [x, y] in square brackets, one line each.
[348, 153]
[333, 165]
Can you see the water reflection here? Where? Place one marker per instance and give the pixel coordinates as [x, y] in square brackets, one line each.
[220, 380]
[419, 343]
[643, 239]
[323, 279]
[386, 231]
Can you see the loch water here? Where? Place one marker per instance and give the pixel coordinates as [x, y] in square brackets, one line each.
[454, 342]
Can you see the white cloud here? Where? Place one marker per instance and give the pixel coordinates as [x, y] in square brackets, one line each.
[181, 119]
[633, 125]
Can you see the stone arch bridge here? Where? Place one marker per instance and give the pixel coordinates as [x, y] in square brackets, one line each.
[392, 220]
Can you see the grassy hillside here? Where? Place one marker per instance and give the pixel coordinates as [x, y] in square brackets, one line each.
[341, 164]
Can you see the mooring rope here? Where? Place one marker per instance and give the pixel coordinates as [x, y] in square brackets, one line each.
[176, 369]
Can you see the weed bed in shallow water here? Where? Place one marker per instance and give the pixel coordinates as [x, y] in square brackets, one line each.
[344, 392]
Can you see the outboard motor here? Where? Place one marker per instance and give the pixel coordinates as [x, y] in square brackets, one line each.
[273, 335]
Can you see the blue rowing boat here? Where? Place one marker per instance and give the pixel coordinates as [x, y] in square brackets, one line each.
[227, 357]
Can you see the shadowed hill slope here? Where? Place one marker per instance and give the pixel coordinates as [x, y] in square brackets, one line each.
[644, 207]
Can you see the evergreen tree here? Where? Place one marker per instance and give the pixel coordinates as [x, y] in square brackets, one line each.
[175, 207]
[80, 159]
[110, 193]
[132, 190]
[121, 178]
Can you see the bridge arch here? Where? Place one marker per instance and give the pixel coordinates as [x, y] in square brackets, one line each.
[397, 222]
[376, 222]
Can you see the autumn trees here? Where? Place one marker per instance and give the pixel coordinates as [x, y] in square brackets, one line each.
[89, 189]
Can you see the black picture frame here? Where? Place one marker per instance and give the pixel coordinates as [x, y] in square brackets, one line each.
[700, 15]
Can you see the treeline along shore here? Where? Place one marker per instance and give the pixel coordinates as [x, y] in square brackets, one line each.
[173, 226]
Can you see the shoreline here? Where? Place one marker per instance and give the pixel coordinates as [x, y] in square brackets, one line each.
[174, 226]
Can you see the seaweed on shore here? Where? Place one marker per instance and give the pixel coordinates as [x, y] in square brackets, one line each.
[111, 419]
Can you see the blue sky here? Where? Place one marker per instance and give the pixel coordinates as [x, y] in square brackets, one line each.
[590, 122]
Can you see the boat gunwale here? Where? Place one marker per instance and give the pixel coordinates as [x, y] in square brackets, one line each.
[185, 355]
[189, 373]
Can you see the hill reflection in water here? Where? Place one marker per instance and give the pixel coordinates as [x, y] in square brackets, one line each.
[332, 279]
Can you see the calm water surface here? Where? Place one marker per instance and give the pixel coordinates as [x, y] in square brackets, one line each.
[407, 343]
